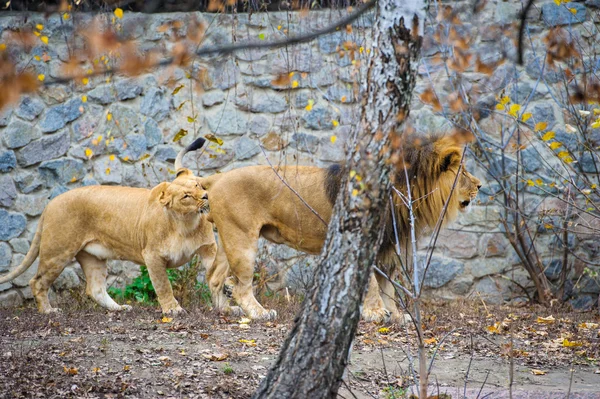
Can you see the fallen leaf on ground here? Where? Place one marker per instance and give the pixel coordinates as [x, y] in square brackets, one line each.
[71, 370]
[571, 344]
[216, 357]
[249, 342]
[538, 372]
[545, 320]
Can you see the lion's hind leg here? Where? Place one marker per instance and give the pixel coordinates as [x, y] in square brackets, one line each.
[373, 306]
[95, 273]
[49, 269]
[218, 282]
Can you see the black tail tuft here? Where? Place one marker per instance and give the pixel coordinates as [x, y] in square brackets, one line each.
[196, 145]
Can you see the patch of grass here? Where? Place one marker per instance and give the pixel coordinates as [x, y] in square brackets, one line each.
[227, 369]
[186, 288]
[392, 392]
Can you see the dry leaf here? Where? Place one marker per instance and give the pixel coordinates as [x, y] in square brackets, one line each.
[538, 372]
[545, 320]
[216, 357]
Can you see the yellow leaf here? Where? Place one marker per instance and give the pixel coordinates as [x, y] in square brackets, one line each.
[180, 134]
[39, 27]
[548, 135]
[96, 370]
[383, 330]
[335, 123]
[111, 157]
[573, 10]
[44, 39]
[213, 138]
[352, 173]
[548, 226]
[495, 329]
[70, 370]
[593, 186]
[88, 152]
[525, 117]
[41, 77]
[3, 47]
[166, 319]
[571, 344]
[309, 105]
[145, 156]
[596, 124]
[190, 119]
[278, 27]
[513, 109]
[66, 16]
[126, 367]
[109, 117]
[538, 372]
[540, 126]
[500, 107]
[118, 13]
[354, 192]
[37, 57]
[333, 139]
[555, 145]
[343, 99]
[295, 84]
[504, 100]
[530, 183]
[38, 34]
[557, 2]
[588, 325]
[85, 81]
[126, 158]
[84, 99]
[177, 89]
[545, 320]
[539, 182]
[563, 154]
[107, 171]
[361, 49]
[430, 341]
[249, 342]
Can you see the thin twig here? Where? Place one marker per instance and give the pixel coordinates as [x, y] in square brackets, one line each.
[482, 385]
[468, 368]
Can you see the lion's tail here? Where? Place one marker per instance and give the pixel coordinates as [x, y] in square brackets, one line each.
[32, 254]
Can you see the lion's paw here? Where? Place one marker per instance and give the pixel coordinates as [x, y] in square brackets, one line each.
[234, 311]
[174, 311]
[51, 310]
[376, 315]
[263, 314]
[126, 308]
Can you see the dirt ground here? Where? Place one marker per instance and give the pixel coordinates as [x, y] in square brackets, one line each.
[86, 352]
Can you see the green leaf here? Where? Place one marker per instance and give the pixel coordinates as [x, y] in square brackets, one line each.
[261, 36]
[177, 89]
[180, 134]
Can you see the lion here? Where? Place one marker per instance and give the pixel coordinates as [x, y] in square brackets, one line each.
[253, 201]
[162, 228]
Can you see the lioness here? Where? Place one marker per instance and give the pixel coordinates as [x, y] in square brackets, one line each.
[253, 201]
[161, 228]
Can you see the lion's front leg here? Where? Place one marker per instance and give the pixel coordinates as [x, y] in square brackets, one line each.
[373, 306]
[157, 269]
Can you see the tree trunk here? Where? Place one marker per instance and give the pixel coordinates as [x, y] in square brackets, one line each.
[315, 354]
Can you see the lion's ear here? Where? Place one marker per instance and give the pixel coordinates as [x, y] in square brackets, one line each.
[183, 172]
[159, 193]
[449, 159]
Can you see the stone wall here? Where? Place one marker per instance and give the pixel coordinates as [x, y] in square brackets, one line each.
[124, 130]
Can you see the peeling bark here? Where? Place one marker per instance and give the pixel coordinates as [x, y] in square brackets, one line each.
[315, 354]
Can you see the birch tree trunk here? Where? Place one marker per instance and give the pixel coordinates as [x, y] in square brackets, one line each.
[315, 354]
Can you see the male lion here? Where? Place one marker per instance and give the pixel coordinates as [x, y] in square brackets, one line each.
[161, 228]
[250, 202]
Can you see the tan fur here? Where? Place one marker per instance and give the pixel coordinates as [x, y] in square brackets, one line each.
[161, 228]
[251, 202]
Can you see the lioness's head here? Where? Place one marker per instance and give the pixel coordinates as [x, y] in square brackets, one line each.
[183, 196]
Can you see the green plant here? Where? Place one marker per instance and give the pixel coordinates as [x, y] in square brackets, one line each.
[185, 286]
[227, 369]
[392, 392]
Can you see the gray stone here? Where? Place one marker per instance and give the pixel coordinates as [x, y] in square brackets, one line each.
[329, 43]
[5, 117]
[485, 267]
[29, 108]
[58, 116]
[5, 286]
[457, 244]
[491, 290]
[220, 160]
[58, 190]
[89, 181]
[555, 15]
[213, 97]
[340, 94]
[262, 102]
[319, 118]
[260, 125]
[584, 302]
[19, 134]
[8, 161]
[440, 271]
[535, 67]
[155, 104]
[226, 120]
[506, 13]
[107, 171]
[305, 142]
[544, 113]
[27, 182]
[11, 225]
[5, 256]
[46, 148]
[331, 152]
[153, 133]
[8, 191]
[103, 94]
[531, 159]
[552, 268]
[223, 75]
[125, 119]
[589, 284]
[67, 280]
[461, 286]
[19, 245]
[165, 153]
[86, 126]
[134, 176]
[10, 299]
[55, 94]
[136, 147]
[128, 89]
[62, 171]
[245, 148]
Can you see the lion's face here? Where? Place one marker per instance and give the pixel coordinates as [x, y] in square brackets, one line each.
[184, 195]
[468, 188]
